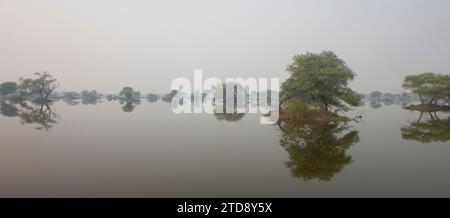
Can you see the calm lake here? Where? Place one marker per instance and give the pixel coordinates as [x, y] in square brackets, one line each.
[101, 151]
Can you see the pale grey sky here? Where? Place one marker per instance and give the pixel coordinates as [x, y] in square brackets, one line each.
[108, 44]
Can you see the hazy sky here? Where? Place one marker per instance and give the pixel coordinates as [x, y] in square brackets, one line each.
[108, 44]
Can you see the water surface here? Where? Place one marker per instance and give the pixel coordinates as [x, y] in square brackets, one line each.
[102, 151]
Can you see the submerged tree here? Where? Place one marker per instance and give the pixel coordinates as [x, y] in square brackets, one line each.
[321, 80]
[317, 150]
[41, 87]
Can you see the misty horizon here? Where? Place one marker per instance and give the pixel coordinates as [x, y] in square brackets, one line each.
[106, 45]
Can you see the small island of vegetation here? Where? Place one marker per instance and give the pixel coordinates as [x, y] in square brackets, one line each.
[432, 89]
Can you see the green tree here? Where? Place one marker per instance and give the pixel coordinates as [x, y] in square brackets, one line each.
[71, 95]
[321, 80]
[128, 93]
[430, 87]
[8, 88]
[168, 97]
[42, 86]
[376, 95]
[152, 97]
[89, 97]
[129, 98]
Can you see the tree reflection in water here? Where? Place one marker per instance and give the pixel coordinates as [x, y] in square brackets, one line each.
[317, 150]
[229, 114]
[230, 117]
[40, 115]
[129, 105]
[428, 128]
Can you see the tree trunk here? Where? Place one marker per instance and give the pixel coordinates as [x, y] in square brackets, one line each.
[421, 99]
[431, 101]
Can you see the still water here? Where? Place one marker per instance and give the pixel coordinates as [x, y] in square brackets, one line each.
[101, 151]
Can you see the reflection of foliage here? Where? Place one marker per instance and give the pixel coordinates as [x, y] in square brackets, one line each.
[8, 110]
[87, 101]
[112, 97]
[230, 114]
[71, 98]
[71, 102]
[41, 115]
[430, 130]
[129, 105]
[375, 104]
[317, 150]
[375, 95]
[230, 117]
[89, 97]
[388, 101]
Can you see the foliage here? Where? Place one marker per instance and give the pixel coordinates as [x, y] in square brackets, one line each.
[320, 80]
[42, 86]
[152, 98]
[230, 117]
[71, 95]
[89, 97]
[376, 95]
[8, 88]
[317, 150]
[168, 97]
[130, 94]
[295, 110]
[430, 130]
[8, 110]
[41, 115]
[430, 87]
